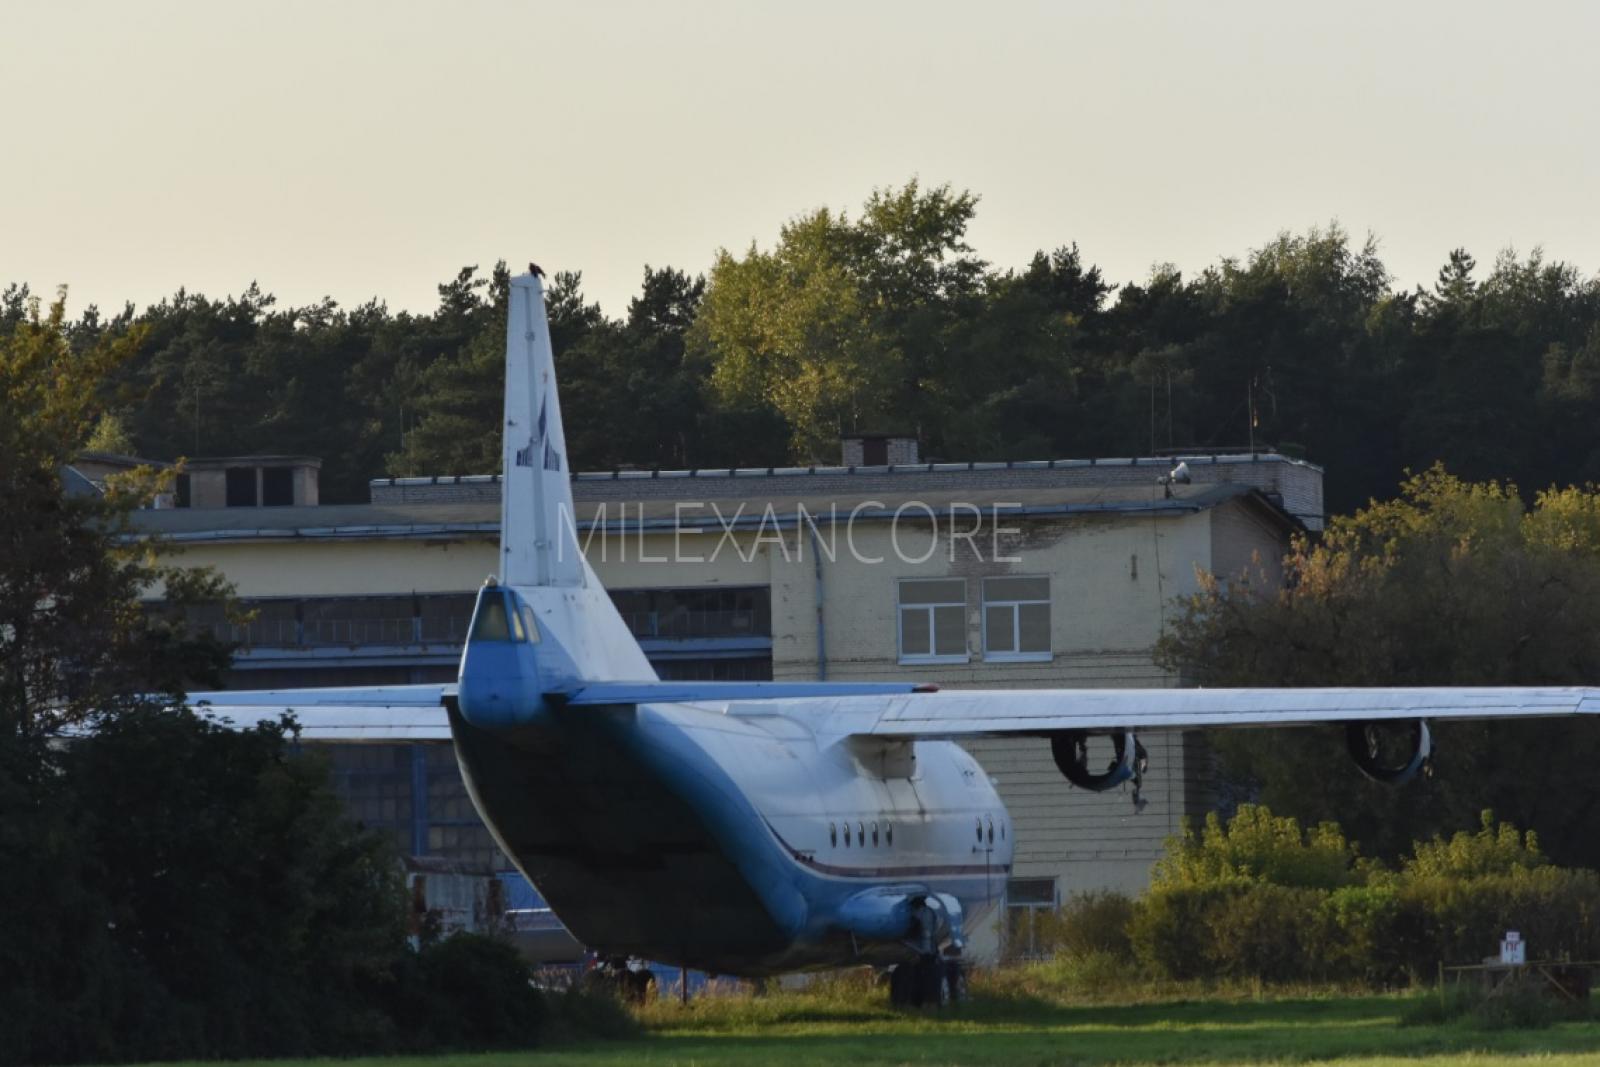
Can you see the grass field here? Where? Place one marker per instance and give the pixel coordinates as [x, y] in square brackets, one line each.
[854, 1025]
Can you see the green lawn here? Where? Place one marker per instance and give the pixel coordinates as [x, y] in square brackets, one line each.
[787, 1029]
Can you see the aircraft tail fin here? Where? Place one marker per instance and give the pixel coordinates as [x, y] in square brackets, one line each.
[538, 528]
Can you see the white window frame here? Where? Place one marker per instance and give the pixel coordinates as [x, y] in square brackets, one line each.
[901, 608]
[1013, 656]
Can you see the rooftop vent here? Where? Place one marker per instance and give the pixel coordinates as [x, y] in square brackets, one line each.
[250, 482]
[879, 450]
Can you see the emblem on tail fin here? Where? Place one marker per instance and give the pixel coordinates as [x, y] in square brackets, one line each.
[552, 458]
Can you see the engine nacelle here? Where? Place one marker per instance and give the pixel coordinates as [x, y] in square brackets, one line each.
[1071, 752]
[1390, 752]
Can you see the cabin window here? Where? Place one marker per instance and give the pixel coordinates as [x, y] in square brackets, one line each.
[991, 831]
[861, 834]
[846, 835]
[833, 835]
[874, 835]
[933, 620]
[888, 834]
[1016, 618]
[1002, 830]
[980, 831]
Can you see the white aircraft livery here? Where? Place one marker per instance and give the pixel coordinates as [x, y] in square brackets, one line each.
[757, 828]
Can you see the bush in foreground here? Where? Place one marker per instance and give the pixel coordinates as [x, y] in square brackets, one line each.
[1256, 899]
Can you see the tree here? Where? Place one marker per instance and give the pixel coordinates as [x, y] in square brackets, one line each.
[174, 888]
[74, 640]
[1451, 583]
[836, 327]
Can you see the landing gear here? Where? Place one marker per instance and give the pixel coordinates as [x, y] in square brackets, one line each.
[928, 981]
[624, 977]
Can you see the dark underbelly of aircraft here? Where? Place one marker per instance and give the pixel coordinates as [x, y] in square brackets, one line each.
[626, 863]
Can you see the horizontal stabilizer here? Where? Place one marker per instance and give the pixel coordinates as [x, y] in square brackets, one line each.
[701, 692]
[379, 714]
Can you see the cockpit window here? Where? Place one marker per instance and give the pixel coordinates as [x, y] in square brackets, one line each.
[491, 624]
[532, 626]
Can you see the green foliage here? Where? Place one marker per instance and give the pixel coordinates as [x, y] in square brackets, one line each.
[181, 889]
[1450, 583]
[1256, 846]
[886, 318]
[1494, 849]
[468, 991]
[1171, 931]
[74, 641]
[1462, 920]
[1244, 901]
[172, 887]
[1086, 925]
[1516, 1005]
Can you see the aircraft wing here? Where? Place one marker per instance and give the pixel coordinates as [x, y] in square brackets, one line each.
[360, 713]
[956, 714]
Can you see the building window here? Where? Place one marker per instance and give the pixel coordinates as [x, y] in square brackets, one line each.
[933, 626]
[277, 487]
[1025, 899]
[1016, 618]
[240, 487]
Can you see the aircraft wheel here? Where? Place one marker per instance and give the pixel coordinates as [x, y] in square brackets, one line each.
[902, 987]
[931, 985]
[955, 982]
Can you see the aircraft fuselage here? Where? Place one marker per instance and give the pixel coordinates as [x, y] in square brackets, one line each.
[732, 842]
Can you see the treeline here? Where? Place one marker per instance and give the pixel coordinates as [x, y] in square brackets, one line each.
[889, 320]
[1259, 898]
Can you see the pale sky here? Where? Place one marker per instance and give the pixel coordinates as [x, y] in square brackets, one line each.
[359, 149]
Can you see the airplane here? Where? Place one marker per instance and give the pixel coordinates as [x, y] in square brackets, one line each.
[759, 828]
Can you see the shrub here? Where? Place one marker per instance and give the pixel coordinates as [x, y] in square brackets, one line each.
[1363, 922]
[577, 1012]
[468, 991]
[1087, 924]
[1494, 849]
[1171, 930]
[1520, 1005]
[1458, 921]
[1274, 933]
[1256, 845]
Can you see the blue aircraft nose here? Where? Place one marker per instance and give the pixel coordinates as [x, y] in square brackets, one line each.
[499, 682]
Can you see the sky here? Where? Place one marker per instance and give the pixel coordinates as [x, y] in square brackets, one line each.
[357, 149]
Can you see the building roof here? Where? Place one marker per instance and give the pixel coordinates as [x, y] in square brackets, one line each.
[1294, 483]
[771, 511]
[199, 463]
